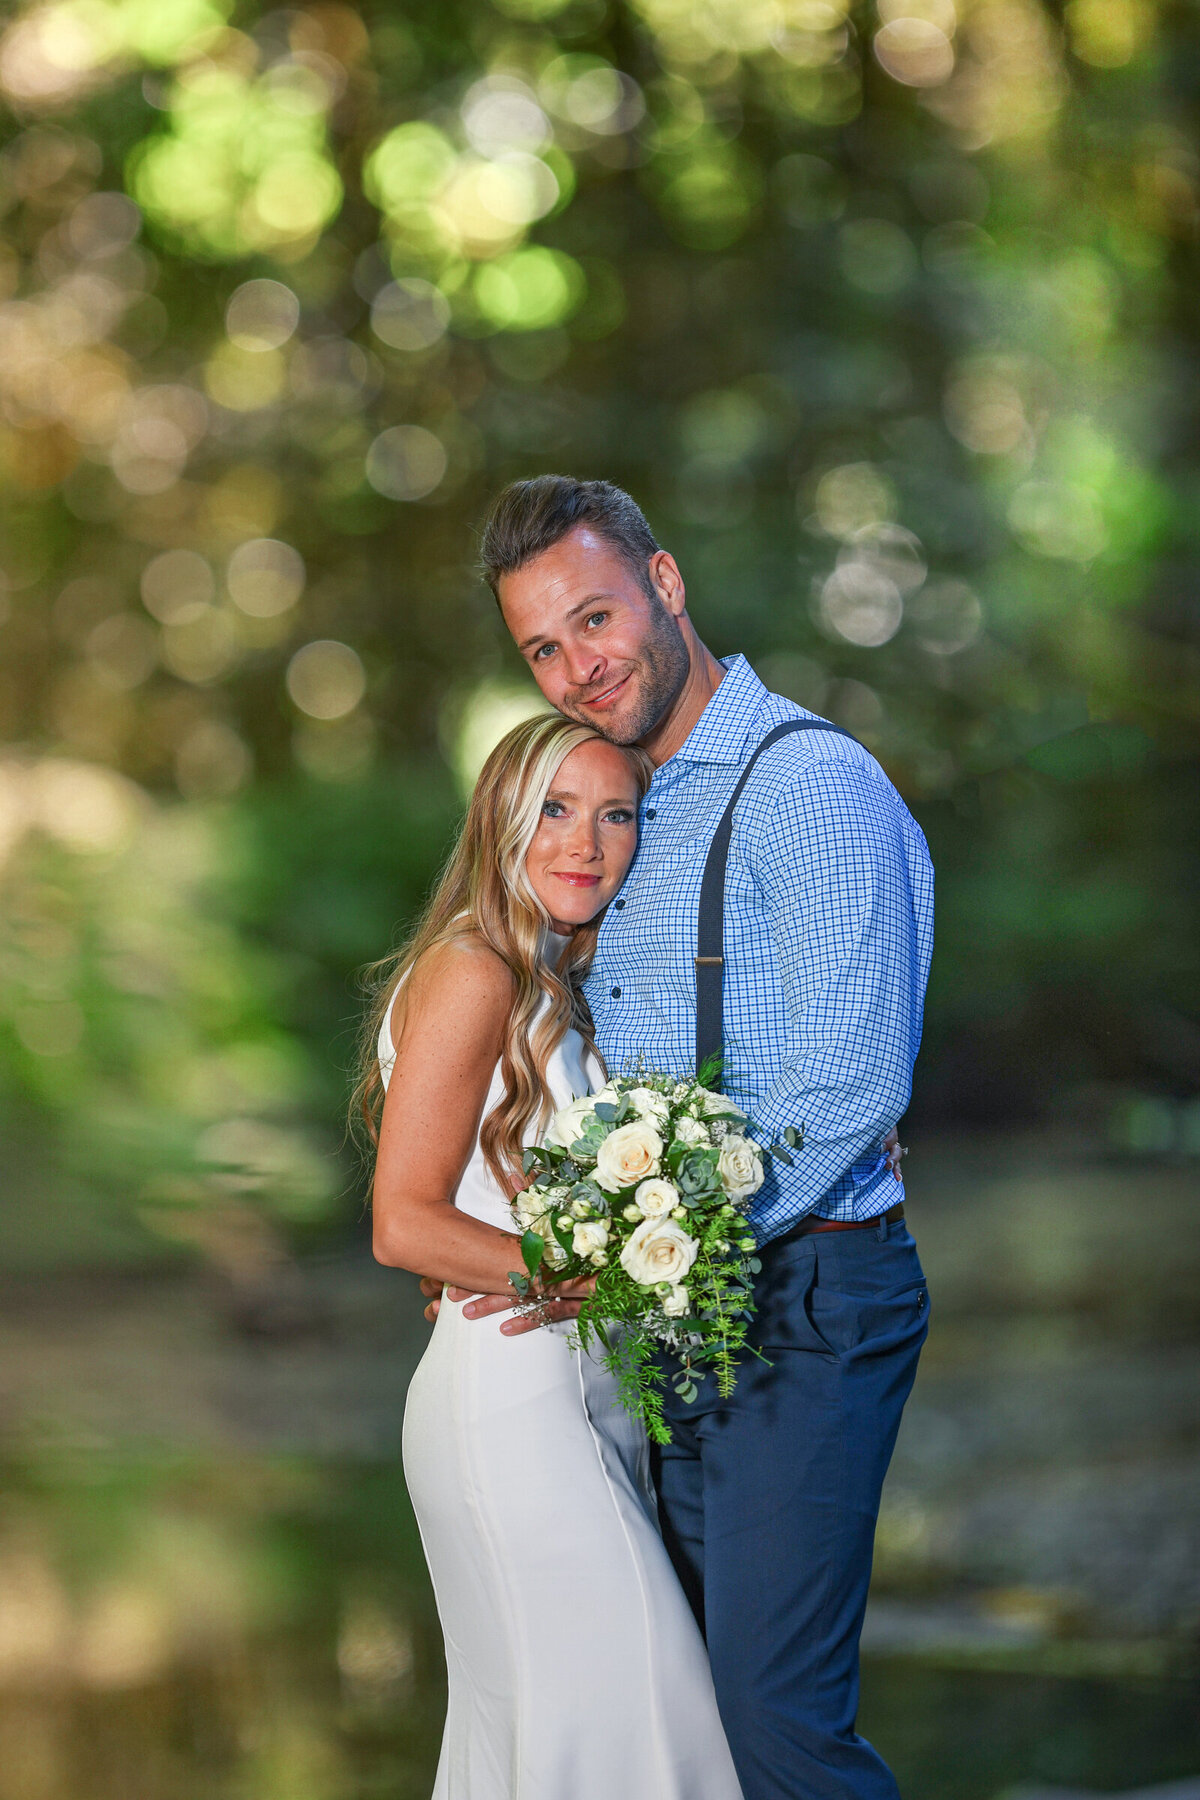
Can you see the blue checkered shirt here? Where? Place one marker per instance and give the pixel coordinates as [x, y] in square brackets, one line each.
[828, 935]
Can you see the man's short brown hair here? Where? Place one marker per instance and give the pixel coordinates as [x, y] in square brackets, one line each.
[531, 516]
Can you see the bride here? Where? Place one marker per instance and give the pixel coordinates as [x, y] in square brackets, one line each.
[575, 1665]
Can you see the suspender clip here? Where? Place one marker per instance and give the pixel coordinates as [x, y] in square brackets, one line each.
[709, 962]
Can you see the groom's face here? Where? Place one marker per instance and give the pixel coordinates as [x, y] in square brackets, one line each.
[602, 650]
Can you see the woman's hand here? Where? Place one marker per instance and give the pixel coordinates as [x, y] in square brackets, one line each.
[562, 1301]
[893, 1151]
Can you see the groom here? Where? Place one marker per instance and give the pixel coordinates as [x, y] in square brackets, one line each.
[767, 1500]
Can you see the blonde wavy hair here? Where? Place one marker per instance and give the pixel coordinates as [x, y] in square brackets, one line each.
[484, 894]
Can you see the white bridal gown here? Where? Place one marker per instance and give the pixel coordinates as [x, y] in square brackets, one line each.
[576, 1670]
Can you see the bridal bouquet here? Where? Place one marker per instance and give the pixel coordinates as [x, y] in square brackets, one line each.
[644, 1186]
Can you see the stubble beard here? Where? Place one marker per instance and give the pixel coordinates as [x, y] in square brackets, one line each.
[657, 677]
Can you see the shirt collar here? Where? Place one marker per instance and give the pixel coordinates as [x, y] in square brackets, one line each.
[722, 732]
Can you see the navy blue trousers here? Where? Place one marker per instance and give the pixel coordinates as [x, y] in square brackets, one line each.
[768, 1504]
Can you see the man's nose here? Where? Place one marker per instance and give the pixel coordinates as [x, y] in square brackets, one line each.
[584, 665]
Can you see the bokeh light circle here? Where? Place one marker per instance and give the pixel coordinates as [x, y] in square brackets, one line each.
[410, 315]
[915, 52]
[265, 577]
[177, 586]
[406, 462]
[861, 604]
[326, 679]
[261, 315]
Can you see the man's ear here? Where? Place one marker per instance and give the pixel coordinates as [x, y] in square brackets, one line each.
[667, 582]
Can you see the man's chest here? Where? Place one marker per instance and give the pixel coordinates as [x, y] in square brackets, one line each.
[642, 985]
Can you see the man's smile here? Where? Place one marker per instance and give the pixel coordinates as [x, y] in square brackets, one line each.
[608, 696]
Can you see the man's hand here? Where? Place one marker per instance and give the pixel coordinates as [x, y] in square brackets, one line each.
[562, 1302]
[892, 1150]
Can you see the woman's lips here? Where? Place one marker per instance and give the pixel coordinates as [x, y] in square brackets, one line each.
[580, 881]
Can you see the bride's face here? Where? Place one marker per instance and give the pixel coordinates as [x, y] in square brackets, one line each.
[586, 836]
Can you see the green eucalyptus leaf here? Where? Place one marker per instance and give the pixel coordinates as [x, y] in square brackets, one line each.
[533, 1248]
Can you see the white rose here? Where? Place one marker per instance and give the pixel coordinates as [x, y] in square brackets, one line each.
[691, 1131]
[534, 1203]
[632, 1212]
[570, 1121]
[740, 1168]
[528, 1205]
[628, 1155]
[593, 1235]
[677, 1305]
[647, 1103]
[553, 1253]
[658, 1250]
[656, 1198]
[708, 1104]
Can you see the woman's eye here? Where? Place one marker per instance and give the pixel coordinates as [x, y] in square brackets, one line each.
[620, 815]
[552, 809]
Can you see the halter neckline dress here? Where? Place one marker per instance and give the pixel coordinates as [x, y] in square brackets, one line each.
[576, 1670]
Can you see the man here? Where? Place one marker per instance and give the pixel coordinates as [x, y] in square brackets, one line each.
[767, 1500]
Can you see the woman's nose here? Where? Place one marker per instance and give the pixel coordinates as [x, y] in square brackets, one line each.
[584, 841]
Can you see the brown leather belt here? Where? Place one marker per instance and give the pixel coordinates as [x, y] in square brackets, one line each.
[808, 1226]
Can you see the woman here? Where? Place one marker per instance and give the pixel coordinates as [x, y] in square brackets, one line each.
[575, 1666]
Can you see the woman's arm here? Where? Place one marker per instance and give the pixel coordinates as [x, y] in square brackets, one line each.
[450, 1043]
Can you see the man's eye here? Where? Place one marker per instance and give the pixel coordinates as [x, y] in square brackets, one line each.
[596, 618]
[543, 651]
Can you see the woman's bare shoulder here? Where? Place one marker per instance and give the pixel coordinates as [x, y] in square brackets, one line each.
[461, 988]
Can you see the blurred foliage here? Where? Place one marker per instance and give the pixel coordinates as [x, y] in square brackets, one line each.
[883, 311]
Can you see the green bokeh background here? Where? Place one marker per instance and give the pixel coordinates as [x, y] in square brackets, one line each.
[886, 315]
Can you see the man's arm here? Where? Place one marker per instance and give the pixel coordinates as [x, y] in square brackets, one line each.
[829, 859]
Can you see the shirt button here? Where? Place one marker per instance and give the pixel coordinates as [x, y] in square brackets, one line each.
[616, 993]
[618, 904]
[650, 812]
